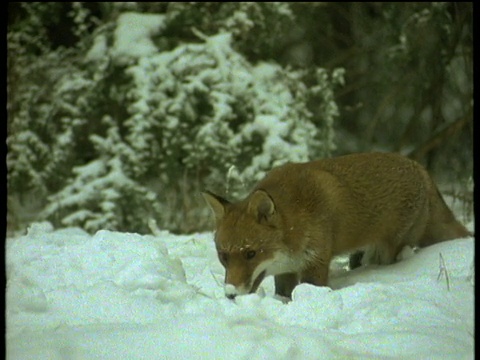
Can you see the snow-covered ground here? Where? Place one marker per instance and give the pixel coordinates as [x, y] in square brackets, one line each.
[116, 295]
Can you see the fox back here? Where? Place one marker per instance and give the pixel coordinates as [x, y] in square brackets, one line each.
[302, 214]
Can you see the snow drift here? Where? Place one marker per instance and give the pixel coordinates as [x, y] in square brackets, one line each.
[119, 295]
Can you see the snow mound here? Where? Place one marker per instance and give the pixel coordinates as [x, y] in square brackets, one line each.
[119, 295]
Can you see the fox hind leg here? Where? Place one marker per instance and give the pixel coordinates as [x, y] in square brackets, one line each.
[355, 259]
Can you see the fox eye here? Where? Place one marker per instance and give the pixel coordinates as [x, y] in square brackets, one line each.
[250, 254]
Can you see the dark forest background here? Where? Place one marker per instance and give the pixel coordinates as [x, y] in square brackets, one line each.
[103, 138]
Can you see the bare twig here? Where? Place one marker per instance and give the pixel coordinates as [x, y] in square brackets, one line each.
[215, 278]
[443, 270]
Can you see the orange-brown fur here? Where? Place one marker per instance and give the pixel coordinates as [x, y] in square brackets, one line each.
[303, 214]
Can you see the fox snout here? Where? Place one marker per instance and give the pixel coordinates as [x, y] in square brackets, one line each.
[234, 287]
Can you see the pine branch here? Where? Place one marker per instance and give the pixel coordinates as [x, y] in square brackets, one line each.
[439, 138]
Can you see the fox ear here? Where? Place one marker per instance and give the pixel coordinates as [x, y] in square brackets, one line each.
[216, 203]
[261, 205]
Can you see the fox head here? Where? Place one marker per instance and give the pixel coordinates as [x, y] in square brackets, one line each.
[248, 239]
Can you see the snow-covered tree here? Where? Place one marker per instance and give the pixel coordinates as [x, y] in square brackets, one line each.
[134, 122]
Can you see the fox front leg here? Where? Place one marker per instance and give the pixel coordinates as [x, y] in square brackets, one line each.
[285, 283]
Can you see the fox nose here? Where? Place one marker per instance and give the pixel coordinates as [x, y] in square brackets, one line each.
[230, 291]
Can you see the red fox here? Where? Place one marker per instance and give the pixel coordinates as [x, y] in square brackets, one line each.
[302, 214]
